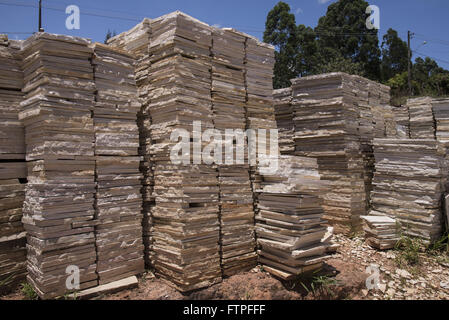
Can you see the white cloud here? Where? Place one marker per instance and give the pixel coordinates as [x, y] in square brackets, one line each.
[217, 25]
[298, 11]
[323, 1]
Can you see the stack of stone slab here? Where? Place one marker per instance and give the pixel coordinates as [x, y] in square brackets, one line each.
[222, 78]
[390, 121]
[134, 40]
[291, 235]
[381, 232]
[185, 228]
[118, 200]
[402, 119]
[59, 134]
[12, 168]
[237, 240]
[336, 117]
[366, 127]
[422, 125]
[12, 144]
[378, 121]
[326, 127]
[440, 108]
[284, 120]
[379, 100]
[228, 79]
[409, 183]
[259, 64]
[137, 42]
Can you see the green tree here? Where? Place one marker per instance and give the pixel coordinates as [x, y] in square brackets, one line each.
[432, 79]
[440, 83]
[399, 88]
[342, 31]
[423, 70]
[109, 35]
[280, 31]
[394, 55]
[341, 64]
[308, 59]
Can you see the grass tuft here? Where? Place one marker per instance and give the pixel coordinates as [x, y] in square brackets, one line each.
[28, 291]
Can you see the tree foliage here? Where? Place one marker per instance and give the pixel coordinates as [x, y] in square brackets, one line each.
[431, 79]
[394, 55]
[308, 57]
[109, 35]
[343, 32]
[342, 42]
[280, 31]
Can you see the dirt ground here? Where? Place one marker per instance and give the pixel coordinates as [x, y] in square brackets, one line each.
[343, 277]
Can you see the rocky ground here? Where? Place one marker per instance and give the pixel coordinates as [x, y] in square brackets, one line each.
[409, 273]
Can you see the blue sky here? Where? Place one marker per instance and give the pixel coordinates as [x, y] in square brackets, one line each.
[428, 19]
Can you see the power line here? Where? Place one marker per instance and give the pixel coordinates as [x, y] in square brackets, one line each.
[136, 15]
[96, 15]
[423, 35]
[434, 40]
[53, 7]
[15, 32]
[63, 10]
[436, 59]
[18, 5]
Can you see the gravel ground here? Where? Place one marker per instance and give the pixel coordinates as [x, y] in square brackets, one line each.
[345, 276]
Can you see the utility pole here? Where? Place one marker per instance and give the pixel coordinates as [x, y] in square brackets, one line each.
[40, 17]
[409, 37]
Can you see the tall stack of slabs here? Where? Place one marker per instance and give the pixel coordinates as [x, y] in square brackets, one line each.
[186, 213]
[137, 42]
[366, 129]
[58, 211]
[12, 168]
[259, 64]
[402, 119]
[223, 79]
[422, 124]
[440, 110]
[326, 125]
[284, 120]
[237, 240]
[118, 200]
